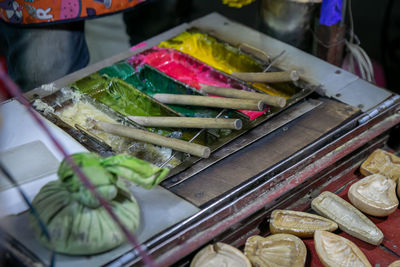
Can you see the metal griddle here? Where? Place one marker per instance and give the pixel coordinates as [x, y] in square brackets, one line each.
[221, 146]
[273, 164]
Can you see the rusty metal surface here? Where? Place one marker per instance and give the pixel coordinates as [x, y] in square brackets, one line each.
[330, 43]
[186, 237]
[339, 173]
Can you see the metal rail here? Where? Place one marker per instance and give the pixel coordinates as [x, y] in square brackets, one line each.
[239, 204]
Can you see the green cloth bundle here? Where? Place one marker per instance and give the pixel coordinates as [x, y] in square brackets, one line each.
[77, 223]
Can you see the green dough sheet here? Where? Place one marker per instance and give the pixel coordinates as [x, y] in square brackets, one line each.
[151, 81]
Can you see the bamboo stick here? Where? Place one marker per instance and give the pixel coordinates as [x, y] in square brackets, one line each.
[206, 101]
[268, 77]
[182, 122]
[276, 101]
[255, 51]
[153, 138]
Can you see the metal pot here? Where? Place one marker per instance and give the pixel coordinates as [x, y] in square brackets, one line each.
[289, 20]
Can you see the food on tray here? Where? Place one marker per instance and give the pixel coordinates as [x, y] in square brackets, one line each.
[349, 219]
[76, 222]
[224, 57]
[220, 254]
[82, 113]
[334, 250]
[121, 96]
[382, 162]
[213, 52]
[146, 81]
[275, 250]
[298, 223]
[374, 195]
[183, 68]
[189, 71]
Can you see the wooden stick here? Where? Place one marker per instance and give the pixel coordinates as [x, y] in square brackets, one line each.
[255, 51]
[268, 77]
[183, 122]
[206, 101]
[276, 101]
[152, 138]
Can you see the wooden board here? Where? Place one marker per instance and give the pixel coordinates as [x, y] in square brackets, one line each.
[261, 155]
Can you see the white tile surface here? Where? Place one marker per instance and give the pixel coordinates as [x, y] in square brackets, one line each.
[18, 128]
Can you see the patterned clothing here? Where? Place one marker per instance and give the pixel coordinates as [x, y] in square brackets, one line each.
[49, 11]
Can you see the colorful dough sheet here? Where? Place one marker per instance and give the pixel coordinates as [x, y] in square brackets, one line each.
[75, 110]
[189, 71]
[209, 50]
[121, 96]
[224, 57]
[127, 100]
[181, 65]
[152, 81]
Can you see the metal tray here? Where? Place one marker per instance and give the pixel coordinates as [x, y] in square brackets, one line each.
[215, 139]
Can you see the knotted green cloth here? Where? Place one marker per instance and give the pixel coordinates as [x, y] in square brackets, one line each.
[77, 223]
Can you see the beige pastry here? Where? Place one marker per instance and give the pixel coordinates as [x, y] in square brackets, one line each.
[301, 224]
[349, 219]
[335, 251]
[382, 162]
[275, 250]
[374, 195]
[220, 254]
[395, 264]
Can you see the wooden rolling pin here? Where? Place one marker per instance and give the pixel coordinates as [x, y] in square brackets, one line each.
[268, 77]
[182, 122]
[276, 101]
[207, 101]
[152, 138]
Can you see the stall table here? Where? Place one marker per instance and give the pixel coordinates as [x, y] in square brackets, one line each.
[314, 144]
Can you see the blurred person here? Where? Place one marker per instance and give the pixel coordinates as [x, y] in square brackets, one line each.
[44, 40]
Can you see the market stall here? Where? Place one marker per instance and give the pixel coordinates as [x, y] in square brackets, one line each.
[281, 156]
